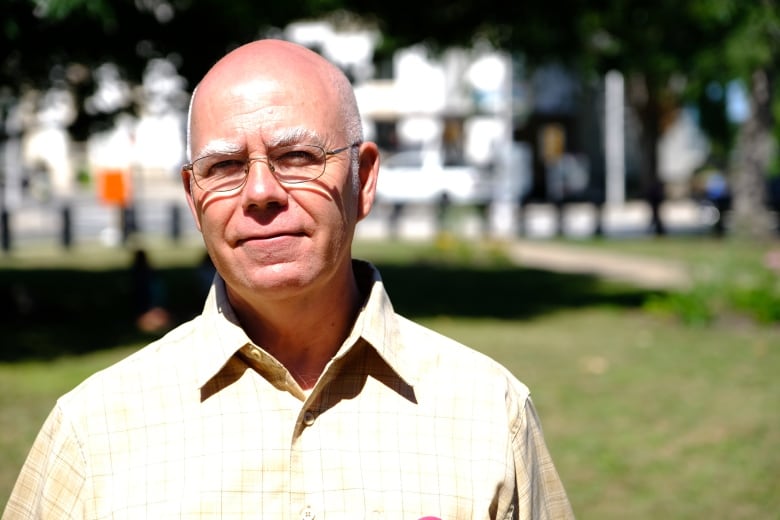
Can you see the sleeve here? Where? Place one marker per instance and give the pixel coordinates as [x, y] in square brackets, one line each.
[540, 492]
[52, 480]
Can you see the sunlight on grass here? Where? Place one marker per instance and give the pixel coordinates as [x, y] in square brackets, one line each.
[646, 419]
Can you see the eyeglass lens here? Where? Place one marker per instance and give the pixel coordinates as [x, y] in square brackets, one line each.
[289, 164]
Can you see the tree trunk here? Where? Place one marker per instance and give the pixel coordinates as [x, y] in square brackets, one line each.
[755, 147]
[643, 96]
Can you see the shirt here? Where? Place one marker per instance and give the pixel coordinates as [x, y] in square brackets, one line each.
[403, 423]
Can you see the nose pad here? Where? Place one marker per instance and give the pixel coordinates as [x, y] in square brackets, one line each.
[263, 160]
[264, 188]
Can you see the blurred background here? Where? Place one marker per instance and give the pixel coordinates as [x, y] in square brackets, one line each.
[588, 191]
[582, 119]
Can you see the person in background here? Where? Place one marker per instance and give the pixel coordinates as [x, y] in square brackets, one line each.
[298, 392]
[148, 292]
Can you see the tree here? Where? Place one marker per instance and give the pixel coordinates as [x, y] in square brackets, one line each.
[751, 50]
[83, 34]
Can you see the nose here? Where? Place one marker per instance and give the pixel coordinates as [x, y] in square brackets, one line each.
[262, 188]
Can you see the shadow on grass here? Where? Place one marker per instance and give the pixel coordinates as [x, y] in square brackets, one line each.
[509, 293]
[45, 313]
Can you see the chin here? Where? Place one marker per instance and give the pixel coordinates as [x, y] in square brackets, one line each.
[280, 277]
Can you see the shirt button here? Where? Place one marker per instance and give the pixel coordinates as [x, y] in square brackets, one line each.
[308, 418]
[308, 513]
[253, 352]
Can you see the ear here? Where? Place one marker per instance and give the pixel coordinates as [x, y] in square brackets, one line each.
[186, 180]
[368, 171]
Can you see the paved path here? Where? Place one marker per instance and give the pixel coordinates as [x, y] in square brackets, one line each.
[645, 272]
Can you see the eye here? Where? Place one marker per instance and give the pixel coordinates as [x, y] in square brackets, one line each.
[223, 166]
[298, 156]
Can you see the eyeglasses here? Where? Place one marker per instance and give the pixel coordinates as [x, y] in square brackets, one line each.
[292, 164]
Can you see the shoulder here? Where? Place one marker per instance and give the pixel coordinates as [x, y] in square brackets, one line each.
[165, 361]
[454, 365]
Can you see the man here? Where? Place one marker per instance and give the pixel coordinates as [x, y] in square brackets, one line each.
[298, 393]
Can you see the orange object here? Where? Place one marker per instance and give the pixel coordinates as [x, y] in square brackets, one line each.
[114, 187]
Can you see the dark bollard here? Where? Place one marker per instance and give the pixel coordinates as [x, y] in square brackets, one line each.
[129, 224]
[175, 222]
[442, 212]
[5, 229]
[66, 237]
[483, 210]
[560, 215]
[394, 220]
[598, 230]
[520, 219]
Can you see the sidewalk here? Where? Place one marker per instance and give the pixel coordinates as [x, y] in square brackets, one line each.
[644, 272]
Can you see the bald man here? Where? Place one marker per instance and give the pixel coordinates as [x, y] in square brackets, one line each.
[298, 392]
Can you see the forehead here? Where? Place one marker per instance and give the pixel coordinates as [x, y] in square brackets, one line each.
[258, 110]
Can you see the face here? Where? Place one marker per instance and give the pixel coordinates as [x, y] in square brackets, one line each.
[270, 240]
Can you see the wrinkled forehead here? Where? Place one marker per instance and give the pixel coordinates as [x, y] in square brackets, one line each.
[252, 107]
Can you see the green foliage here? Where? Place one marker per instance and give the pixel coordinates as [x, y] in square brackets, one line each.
[754, 41]
[759, 297]
[694, 307]
[729, 288]
[60, 10]
[193, 33]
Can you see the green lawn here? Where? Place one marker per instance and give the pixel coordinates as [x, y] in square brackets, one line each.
[646, 416]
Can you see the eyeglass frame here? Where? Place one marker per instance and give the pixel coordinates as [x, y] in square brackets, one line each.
[249, 160]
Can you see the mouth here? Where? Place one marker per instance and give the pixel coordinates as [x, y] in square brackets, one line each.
[269, 237]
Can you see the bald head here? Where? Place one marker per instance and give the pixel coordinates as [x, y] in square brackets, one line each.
[289, 68]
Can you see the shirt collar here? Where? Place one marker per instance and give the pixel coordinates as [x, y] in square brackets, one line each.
[221, 332]
[376, 324]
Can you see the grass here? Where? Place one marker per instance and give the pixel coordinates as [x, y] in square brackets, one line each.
[732, 278]
[646, 416]
[644, 419]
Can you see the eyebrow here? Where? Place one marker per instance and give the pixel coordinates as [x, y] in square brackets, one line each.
[219, 146]
[295, 136]
[283, 138]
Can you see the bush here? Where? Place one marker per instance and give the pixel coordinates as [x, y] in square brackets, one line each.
[749, 289]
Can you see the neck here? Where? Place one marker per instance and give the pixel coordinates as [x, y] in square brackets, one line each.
[303, 333]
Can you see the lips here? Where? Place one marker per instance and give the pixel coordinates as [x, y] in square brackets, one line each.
[269, 236]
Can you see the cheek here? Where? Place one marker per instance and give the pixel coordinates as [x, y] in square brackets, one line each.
[339, 214]
[213, 217]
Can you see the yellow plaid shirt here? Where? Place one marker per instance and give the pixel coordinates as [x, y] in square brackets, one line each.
[403, 424]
